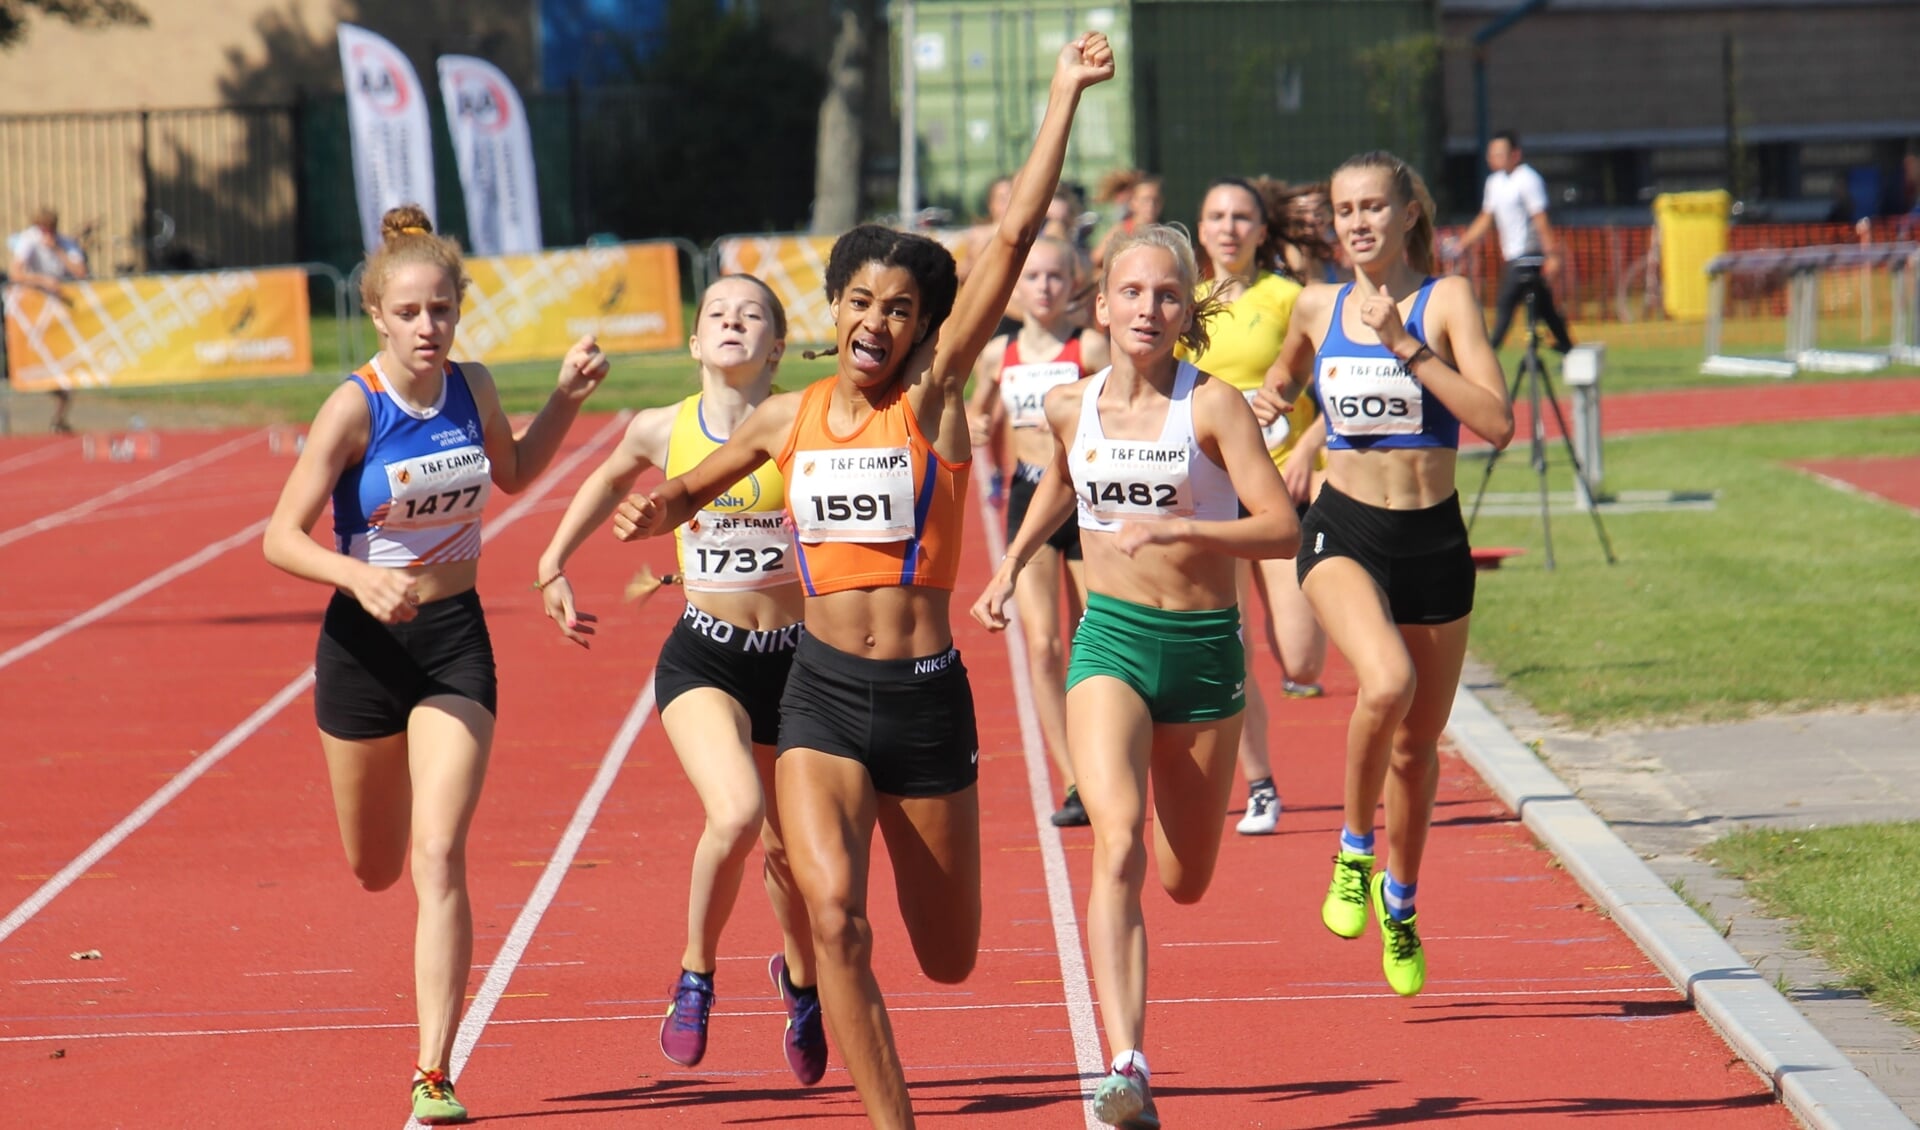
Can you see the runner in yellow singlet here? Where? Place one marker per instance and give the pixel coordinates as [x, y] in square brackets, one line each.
[724, 666]
[1238, 250]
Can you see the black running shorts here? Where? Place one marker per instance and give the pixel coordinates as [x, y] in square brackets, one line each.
[1419, 558]
[1026, 476]
[369, 676]
[748, 666]
[909, 721]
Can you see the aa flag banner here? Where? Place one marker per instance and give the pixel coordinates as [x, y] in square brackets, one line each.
[387, 120]
[494, 148]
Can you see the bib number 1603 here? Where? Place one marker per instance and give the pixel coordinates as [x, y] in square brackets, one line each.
[852, 507]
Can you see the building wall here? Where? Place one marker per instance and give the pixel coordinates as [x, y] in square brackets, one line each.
[199, 53]
[1616, 101]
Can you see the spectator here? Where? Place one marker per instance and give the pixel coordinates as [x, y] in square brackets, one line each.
[42, 258]
[1516, 204]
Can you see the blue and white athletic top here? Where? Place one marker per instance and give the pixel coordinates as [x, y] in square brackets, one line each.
[1370, 398]
[415, 498]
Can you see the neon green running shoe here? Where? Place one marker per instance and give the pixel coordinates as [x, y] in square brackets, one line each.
[433, 1101]
[1345, 911]
[1403, 960]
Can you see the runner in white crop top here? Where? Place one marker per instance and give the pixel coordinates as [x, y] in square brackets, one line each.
[1157, 455]
[1120, 480]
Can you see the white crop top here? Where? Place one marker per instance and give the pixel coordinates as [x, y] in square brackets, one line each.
[1131, 480]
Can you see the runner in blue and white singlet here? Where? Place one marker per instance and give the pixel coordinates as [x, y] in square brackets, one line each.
[408, 450]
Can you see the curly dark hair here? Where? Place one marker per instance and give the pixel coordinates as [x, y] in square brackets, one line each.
[930, 264]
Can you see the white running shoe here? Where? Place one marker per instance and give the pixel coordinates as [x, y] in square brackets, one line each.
[1263, 814]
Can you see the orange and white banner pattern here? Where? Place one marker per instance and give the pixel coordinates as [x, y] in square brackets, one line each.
[159, 329]
[534, 307]
[794, 267]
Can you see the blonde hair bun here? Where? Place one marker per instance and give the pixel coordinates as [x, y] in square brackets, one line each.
[403, 221]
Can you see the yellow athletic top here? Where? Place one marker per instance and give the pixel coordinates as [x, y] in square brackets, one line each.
[741, 540]
[1243, 341]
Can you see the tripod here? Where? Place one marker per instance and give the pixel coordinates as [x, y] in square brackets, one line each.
[1540, 388]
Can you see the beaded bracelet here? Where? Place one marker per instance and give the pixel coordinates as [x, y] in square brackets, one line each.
[539, 586]
[1425, 350]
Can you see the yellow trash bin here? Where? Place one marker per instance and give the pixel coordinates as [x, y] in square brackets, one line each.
[1693, 229]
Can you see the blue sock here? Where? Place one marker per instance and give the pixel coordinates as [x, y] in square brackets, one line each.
[1398, 897]
[1356, 845]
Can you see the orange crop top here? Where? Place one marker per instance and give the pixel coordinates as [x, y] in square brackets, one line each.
[875, 508]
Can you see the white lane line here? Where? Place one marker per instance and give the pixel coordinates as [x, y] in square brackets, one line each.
[127, 596]
[128, 490]
[67, 875]
[501, 970]
[1543, 996]
[1053, 856]
[32, 457]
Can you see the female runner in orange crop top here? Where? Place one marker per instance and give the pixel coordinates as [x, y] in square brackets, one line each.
[877, 720]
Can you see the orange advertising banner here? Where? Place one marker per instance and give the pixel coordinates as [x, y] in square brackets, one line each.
[534, 307]
[794, 267]
[159, 329]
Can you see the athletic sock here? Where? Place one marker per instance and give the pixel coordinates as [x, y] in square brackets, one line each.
[1354, 844]
[1398, 897]
[1134, 1060]
[1263, 785]
[787, 982]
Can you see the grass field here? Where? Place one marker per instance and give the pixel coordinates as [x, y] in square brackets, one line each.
[1849, 892]
[1764, 602]
[1639, 357]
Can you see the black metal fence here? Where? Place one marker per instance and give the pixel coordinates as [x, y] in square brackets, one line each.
[249, 186]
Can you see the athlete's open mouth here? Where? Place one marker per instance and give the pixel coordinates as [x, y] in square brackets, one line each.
[868, 355]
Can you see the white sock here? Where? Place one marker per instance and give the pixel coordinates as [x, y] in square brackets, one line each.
[1132, 1059]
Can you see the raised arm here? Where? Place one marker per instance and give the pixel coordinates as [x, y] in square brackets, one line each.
[518, 458]
[996, 266]
[760, 437]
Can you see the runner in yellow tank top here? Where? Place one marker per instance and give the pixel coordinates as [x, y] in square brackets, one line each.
[1238, 249]
[723, 668]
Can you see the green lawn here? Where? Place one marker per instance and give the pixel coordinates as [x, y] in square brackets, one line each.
[1849, 892]
[1788, 594]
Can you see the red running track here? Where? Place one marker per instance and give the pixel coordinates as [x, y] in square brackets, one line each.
[1895, 478]
[244, 977]
[1632, 413]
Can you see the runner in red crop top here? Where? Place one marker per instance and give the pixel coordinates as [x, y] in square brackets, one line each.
[877, 720]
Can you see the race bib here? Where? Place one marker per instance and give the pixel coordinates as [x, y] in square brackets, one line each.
[1370, 396]
[1120, 480]
[1024, 388]
[447, 488]
[722, 552]
[860, 494]
[1275, 433]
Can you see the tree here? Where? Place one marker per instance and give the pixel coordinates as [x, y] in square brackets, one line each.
[839, 154]
[81, 13]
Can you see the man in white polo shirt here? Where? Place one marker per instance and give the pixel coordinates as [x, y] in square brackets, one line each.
[1515, 204]
[45, 259]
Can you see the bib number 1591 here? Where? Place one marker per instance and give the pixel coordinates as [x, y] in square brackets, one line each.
[852, 507]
